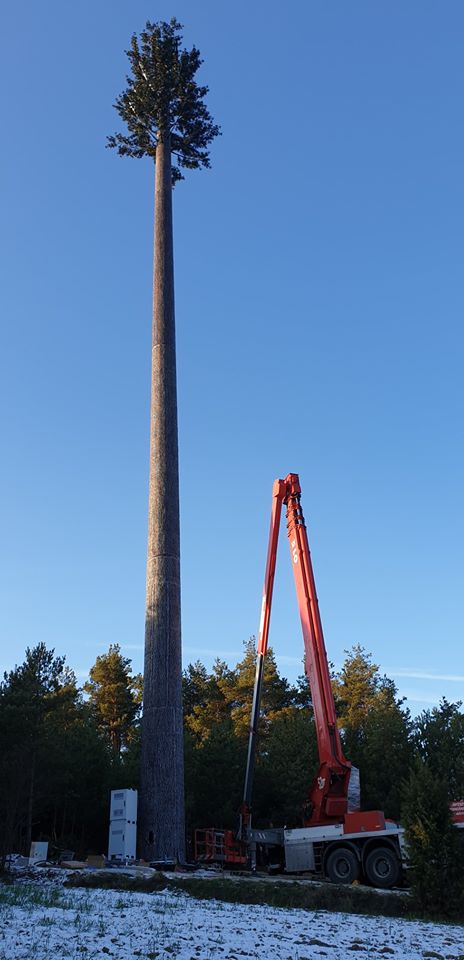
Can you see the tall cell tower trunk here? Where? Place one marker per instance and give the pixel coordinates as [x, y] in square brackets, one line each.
[161, 813]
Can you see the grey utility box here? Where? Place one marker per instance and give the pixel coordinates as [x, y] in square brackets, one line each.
[123, 805]
[122, 840]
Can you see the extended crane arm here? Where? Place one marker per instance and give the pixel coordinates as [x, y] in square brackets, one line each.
[278, 496]
[327, 798]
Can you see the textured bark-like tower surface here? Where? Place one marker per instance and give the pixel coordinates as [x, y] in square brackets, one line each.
[161, 813]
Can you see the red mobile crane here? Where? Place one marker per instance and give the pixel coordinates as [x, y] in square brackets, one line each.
[327, 800]
[337, 840]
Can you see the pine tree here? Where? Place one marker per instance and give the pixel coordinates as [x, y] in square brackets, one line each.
[439, 739]
[435, 846]
[165, 114]
[355, 688]
[37, 700]
[375, 730]
[239, 690]
[206, 706]
[384, 751]
[115, 696]
[287, 768]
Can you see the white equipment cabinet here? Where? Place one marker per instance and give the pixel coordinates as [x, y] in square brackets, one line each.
[122, 841]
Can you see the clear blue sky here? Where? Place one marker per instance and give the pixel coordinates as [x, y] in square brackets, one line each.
[320, 302]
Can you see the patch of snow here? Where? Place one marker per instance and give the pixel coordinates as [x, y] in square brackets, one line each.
[121, 925]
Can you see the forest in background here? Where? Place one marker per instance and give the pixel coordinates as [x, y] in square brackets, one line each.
[63, 748]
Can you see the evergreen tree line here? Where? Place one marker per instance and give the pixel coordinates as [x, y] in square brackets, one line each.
[63, 748]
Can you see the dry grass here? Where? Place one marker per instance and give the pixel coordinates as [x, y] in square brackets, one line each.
[305, 896]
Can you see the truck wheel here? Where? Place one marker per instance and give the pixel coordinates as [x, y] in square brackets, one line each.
[382, 868]
[342, 866]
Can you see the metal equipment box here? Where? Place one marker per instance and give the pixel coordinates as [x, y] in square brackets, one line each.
[122, 841]
[123, 805]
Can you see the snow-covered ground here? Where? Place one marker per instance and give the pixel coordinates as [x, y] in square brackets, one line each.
[117, 925]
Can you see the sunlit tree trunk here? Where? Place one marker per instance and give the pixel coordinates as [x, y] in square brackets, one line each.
[161, 815]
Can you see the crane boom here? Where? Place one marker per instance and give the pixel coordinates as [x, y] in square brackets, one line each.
[327, 800]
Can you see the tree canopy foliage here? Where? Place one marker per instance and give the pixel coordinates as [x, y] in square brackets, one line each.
[115, 696]
[435, 846]
[438, 739]
[163, 101]
[375, 728]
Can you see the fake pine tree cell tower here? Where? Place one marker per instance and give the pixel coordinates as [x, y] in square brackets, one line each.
[165, 115]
